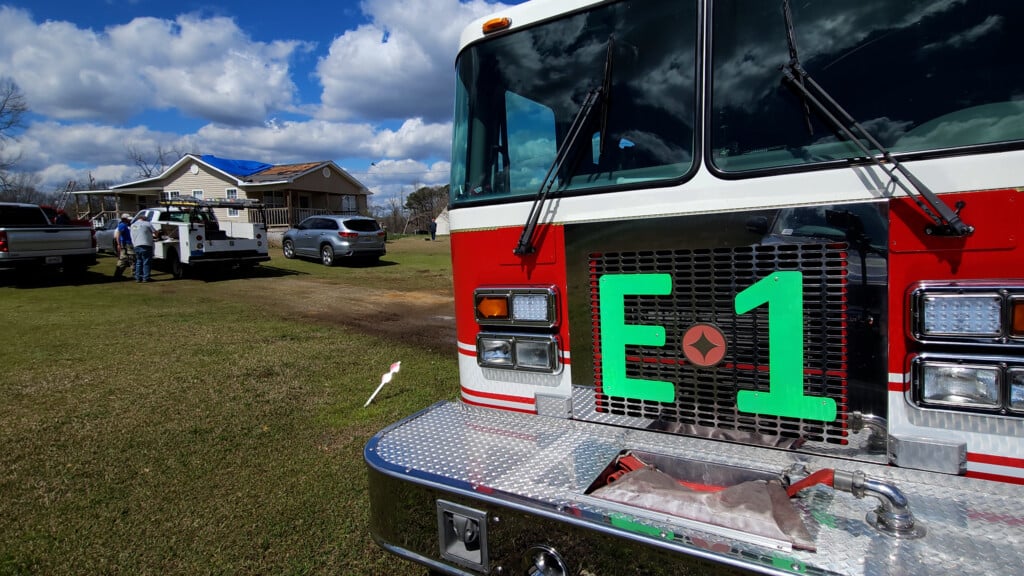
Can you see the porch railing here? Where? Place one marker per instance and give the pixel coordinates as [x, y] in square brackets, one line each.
[279, 216]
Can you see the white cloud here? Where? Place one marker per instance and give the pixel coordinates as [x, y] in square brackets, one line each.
[408, 48]
[46, 143]
[206, 68]
[319, 140]
[386, 92]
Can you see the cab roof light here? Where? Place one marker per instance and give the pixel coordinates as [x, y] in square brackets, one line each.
[496, 25]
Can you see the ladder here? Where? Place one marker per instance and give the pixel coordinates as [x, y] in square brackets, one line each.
[62, 202]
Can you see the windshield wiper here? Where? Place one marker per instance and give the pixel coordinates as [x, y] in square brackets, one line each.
[946, 221]
[525, 246]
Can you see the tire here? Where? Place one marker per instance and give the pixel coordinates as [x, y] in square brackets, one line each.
[289, 249]
[327, 255]
[178, 269]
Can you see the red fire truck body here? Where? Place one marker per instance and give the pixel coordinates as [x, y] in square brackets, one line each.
[738, 285]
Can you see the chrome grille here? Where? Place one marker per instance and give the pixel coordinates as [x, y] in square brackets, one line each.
[705, 284]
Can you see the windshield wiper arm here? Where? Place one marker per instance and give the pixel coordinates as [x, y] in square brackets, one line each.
[947, 221]
[794, 56]
[525, 245]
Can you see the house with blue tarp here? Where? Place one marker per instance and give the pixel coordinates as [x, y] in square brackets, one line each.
[288, 192]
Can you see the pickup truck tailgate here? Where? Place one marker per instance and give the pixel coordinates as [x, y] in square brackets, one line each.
[63, 239]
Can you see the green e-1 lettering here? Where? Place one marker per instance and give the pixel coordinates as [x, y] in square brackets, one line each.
[782, 291]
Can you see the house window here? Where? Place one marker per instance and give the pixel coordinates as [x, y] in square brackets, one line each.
[171, 194]
[197, 194]
[273, 199]
[348, 204]
[232, 194]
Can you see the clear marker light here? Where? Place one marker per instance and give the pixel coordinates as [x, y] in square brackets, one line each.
[967, 315]
[530, 307]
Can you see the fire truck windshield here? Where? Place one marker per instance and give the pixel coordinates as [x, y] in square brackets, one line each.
[518, 94]
[907, 71]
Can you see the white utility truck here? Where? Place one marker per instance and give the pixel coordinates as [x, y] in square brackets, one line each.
[192, 238]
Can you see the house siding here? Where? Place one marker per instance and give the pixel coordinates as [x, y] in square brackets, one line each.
[212, 184]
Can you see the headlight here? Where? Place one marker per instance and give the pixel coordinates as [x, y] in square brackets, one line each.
[955, 384]
[1016, 381]
[518, 352]
[496, 352]
[527, 307]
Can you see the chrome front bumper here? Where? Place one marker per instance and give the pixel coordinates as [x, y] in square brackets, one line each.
[526, 476]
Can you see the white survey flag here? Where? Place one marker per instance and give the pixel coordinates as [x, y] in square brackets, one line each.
[395, 367]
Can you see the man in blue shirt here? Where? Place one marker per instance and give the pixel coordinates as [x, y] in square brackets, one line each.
[125, 252]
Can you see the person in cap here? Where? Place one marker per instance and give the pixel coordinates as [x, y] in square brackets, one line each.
[123, 242]
[143, 236]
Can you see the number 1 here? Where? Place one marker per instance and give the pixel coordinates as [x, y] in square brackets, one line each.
[783, 292]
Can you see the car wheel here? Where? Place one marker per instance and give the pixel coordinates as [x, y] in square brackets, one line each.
[289, 249]
[178, 268]
[327, 255]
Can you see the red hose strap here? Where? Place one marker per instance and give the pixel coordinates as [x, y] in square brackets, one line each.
[824, 476]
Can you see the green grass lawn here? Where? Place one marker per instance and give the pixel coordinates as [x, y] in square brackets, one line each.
[171, 428]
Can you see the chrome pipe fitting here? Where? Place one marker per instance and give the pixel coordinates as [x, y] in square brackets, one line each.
[893, 515]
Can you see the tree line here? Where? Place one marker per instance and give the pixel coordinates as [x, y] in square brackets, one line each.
[413, 213]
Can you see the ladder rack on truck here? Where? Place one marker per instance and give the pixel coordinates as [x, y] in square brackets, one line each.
[192, 238]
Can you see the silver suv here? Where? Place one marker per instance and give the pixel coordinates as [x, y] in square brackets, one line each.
[331, 237]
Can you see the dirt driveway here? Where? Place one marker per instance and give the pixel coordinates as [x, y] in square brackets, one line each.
[365, 299]
[424, 319]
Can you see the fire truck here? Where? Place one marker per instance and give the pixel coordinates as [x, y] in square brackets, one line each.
[739, 287]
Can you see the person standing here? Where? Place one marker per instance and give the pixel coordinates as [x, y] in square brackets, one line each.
[123, 241]
[433, 228]
[143, 234]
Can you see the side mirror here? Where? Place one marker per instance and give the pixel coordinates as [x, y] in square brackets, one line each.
[758, 224]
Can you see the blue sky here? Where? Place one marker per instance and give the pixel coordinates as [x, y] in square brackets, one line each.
[367, 84]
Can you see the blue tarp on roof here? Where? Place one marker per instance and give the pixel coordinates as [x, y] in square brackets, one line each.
[238, 168]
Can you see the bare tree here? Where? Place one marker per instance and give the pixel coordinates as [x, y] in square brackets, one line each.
[13, 108]
[152, 162]
[21, 187]
[392, 214]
